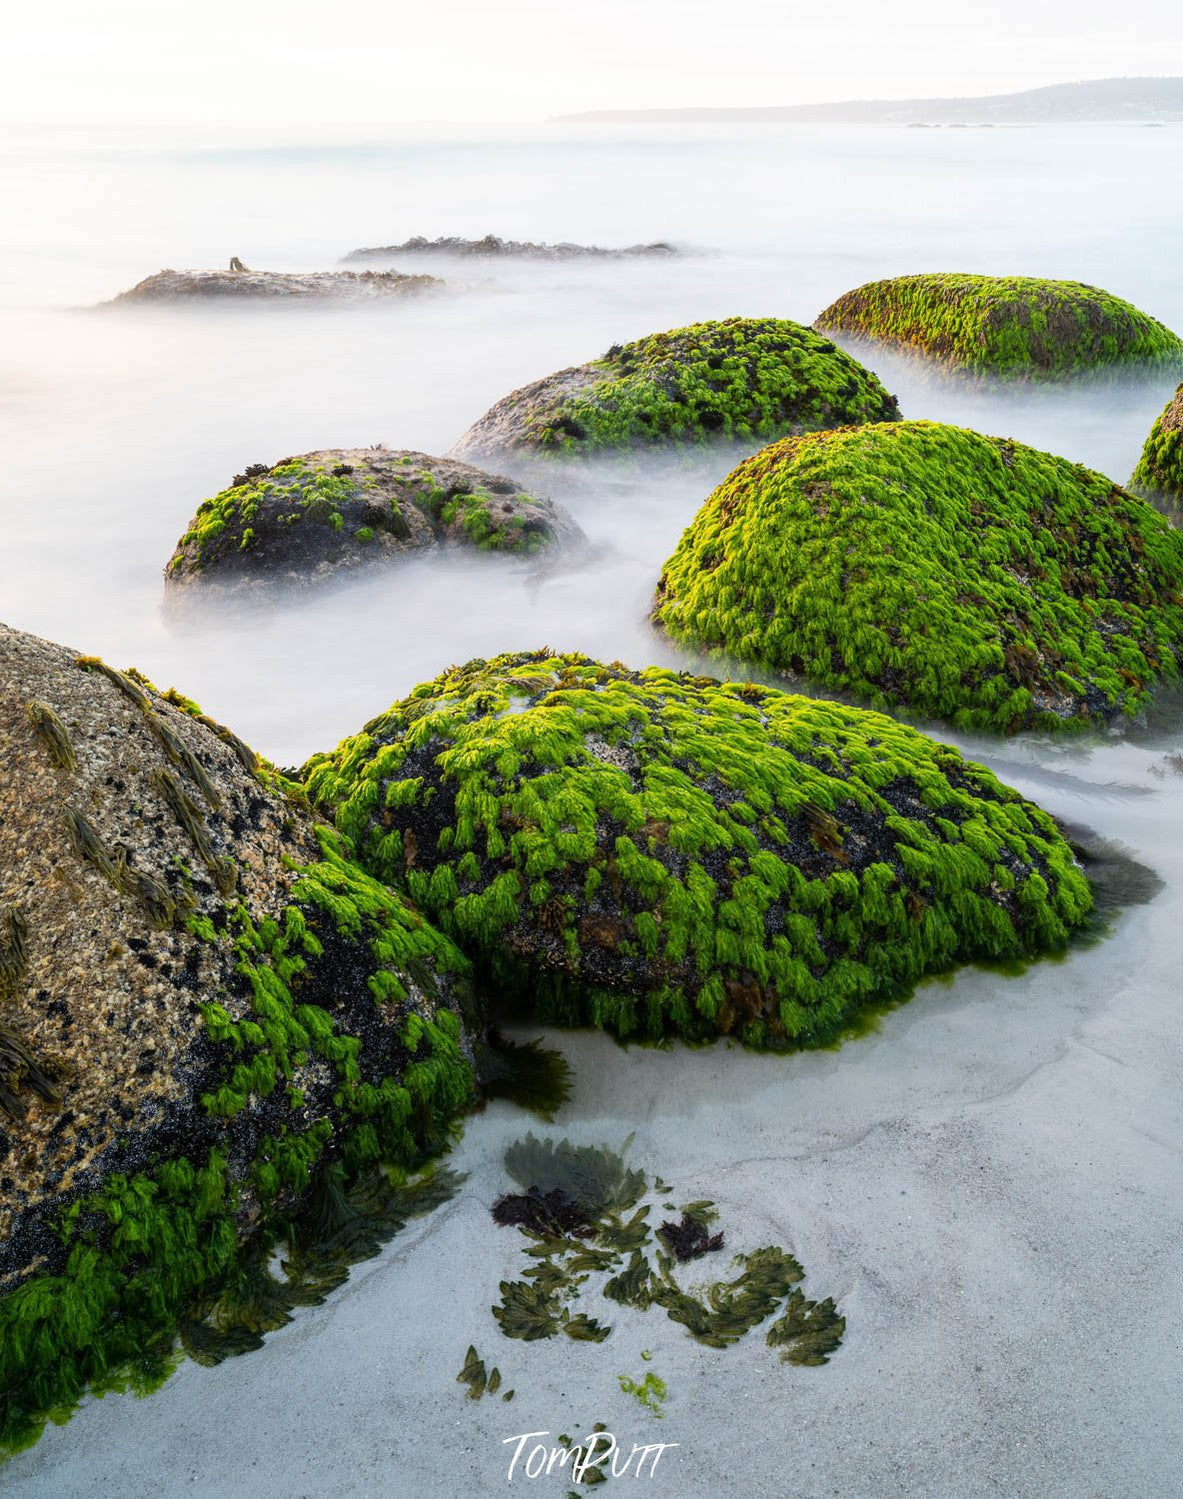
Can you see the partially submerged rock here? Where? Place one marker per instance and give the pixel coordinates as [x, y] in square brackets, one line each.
[492, 247]
[316, 517]
[1015, 327]
[655, 854]
[189, 286]
[731, 381]
[1159, 474]
[206, 1009]
[966, 577]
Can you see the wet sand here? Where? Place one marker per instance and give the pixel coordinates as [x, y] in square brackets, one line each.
[989, 1186]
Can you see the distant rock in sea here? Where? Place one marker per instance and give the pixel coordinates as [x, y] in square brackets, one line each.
[491, 247]
[319, 516]
[1005, 327]
[193, 286]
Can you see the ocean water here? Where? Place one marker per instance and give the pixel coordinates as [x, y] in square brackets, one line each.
[990, 1184]
[115, 425]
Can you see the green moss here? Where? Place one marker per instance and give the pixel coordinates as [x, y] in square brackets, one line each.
[493, 792]
[306, 494]
[154, 1256]
[1159, 474]
[314, 508]
[649, 1393]
[968, 578]
[734, 380]
[1018, 327]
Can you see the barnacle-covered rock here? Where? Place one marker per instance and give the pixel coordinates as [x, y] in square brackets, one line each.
[313, 518]
[729, 381]
[1016, 327]
[205, 1005]
[273, 286]
[966, 577]
[1159, 474]
[655, 853]
[492, 247]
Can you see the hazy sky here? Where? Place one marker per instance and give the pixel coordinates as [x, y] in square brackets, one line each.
[372, 61]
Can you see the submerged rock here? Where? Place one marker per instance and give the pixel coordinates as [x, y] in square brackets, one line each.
[313, 518]
[966, 577]
[206, 1007]
[1017, 327]
[729, 381]
[656, 854]
[492, 247]
[186, 286]
[1159, 474]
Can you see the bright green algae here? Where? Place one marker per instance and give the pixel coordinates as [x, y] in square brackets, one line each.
[969, 578]
[266, 516]
[1012, 326]
[709, 382]
[655, 854]
[160, 1253]
[1159, 474]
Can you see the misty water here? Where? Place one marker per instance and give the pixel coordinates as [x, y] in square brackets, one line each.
[1043, 1180]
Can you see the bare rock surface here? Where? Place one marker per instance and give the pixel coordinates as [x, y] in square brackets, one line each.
[245, 285]
[492, 247]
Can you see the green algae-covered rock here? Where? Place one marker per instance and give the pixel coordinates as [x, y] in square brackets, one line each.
[209, 1016]
[965, 577]
[1159, 474]
[1017, 327]
[656, 853]
[316, 517]
[728, 381]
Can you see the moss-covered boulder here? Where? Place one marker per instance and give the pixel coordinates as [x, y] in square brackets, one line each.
[655, 853]
[207, 1010]
[314, 518]
[924, 566]
[1159, 474]
[1015, 327]
[730, 381]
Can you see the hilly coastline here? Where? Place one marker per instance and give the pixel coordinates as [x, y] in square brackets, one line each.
[1100, 101]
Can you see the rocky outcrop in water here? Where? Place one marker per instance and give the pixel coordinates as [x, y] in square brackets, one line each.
[927, 567]
[491, 247]
[317, 517]
[199, 286]
[1008, 327]
[739, 381]
[660, 854]
[206, 1008]
[1159, 474]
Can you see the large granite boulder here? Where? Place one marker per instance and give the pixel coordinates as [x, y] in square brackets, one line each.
[659, 854]
[314, 518]
[927, 567]
[207, 1011]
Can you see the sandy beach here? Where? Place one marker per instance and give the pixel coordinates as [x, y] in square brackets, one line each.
[989, 1187]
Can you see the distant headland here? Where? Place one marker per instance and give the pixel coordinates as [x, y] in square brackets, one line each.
[1100, 101]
